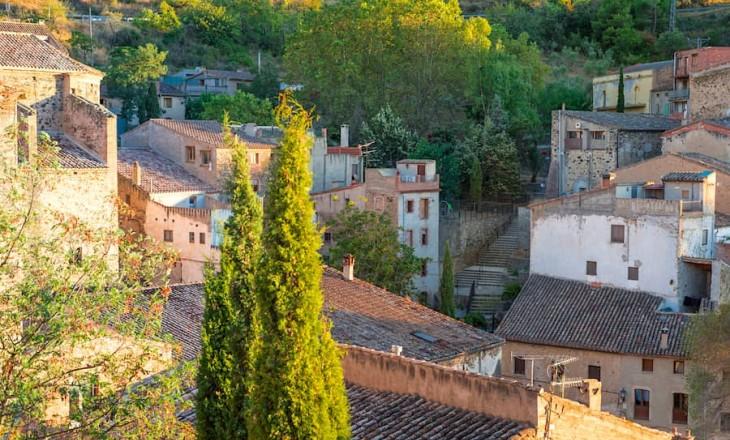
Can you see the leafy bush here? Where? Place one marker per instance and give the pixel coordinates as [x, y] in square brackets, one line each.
[475, 319]
[511, 290]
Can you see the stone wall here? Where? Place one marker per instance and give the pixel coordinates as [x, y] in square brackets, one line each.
[713, 143]
[467, 232]
[635, 146]
[709, 98]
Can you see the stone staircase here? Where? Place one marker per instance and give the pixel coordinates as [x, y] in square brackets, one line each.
[490, 275]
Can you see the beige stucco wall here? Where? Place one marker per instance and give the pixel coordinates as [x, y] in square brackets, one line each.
[177, 109]
[637, 91]
[618, 372]
[699, 141]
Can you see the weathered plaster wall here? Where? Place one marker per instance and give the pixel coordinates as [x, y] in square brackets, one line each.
[699, 141]
[651, 244]
[618, 372]
[708, 98]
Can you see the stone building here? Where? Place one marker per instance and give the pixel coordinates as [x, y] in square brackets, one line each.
[46, 91]
[165, 202]
[587, 145]
[198, 147]
[707, 137]
[563, 330]
[688, 64]
[646, 89]
[656, 237]
[200, 80]
[171, 100]
[409, 194]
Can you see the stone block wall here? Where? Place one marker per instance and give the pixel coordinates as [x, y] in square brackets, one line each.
[467, 232]
[709, 98]
[635, 146]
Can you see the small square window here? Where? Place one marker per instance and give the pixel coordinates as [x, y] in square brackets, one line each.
[617, 233]
[685, 194]
[190, 153]
[202, 237]
[633, 273]
[167, 235]
[647, 365]
[519, 366]
[594, 372]
[167, 102]
[678, 367]
[409, 206]
[191, 237]
[591, 268]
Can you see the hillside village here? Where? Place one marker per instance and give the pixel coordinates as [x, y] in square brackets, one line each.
[189, 252]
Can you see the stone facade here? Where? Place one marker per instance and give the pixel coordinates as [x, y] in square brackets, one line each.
[709, 98]
[704, 137]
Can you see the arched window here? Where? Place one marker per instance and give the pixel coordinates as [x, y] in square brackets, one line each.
[636, 94]
[603, 93]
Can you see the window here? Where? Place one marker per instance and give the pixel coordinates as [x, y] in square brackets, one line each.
[678, 367]
[202, 237]
[705, 236]
[603, 94]
[591, 268]
[424, 237]
[409, 237]
[519, 365]
[167, 102]
[190, 153]
[192, 200]
[641, 404]
[204, 157]
[594, 372]
[634, 273]
[598, 135]
[256, 158]
[191, 237]
[167, 235]
[424, 268]
[679, 408]
[127, 199]
[409, 206]
[327, 237]
[424, 208]
[617, 233]
[574, 134]
[725, 422]
[685, 194]
[647, 365]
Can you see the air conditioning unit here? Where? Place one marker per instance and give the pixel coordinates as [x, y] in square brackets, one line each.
[577, 125]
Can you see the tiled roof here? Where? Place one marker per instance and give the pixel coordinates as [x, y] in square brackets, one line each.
[649, 66]
[72, 156]
[210, 132]
[362, 315]
[626, 121]
[159, 174]
[378, 414]
[716, 164]
[368, 316]
[565, 313]
[243, 75]
[38, 29]
[168, 90]
[686, 177]
[182, 317]
[27, 51]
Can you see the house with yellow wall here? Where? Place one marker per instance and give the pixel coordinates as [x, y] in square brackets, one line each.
[646, 89]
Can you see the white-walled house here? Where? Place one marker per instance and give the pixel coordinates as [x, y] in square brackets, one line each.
[653, 237]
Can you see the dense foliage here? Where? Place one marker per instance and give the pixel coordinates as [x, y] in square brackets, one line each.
[228, 328]
[374, 241]
[388, 139]
[241, 108]
[297, 389]
[76, 322]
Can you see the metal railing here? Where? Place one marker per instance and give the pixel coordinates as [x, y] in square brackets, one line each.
[679, 95]
[691, 205]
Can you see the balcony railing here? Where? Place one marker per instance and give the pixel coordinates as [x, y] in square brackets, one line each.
[679, 95]
[691, 205]
[573, 143]
[417, 183]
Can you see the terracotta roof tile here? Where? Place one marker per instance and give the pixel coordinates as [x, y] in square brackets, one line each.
[362, 315]
[210, 132]
[38, 29]
[27, 51]
[686, 176]
[159, 174]
[565, 313]
[72, 156]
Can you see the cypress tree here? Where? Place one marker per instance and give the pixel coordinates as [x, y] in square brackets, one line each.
[297, 387]
[446, 289]
[228, 327]
[620, 104]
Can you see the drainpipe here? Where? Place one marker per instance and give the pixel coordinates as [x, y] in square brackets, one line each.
[561, 153]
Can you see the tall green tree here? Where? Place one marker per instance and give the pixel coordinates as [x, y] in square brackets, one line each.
[228, 323]
[374, 241]
[621, 98]
[446, 289]
[390, 139]
[149, 106]
[242, 108]
[297, 388]
[498, 158]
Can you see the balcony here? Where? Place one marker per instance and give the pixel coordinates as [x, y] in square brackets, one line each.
[682, 71]
[417, 183]
[679, 95]
[691, 205]
[573, 143]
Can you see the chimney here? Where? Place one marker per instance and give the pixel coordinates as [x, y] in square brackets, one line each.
[136, 174]
[664, 339]
[396, 349]
[348, 267]
[344, 135]
[607, 180]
